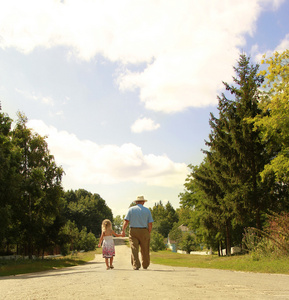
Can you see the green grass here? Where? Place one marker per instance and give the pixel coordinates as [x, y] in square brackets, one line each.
[23, 266]
[244, 263]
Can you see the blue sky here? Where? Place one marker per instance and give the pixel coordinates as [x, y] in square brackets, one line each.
[123, 89]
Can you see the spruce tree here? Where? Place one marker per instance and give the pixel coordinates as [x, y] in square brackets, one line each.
[237, 155]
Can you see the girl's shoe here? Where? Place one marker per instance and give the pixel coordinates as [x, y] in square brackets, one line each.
[108, 268]
[111, 266]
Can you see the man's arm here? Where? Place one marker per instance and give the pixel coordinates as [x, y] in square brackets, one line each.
[125, 223]
[150, 227]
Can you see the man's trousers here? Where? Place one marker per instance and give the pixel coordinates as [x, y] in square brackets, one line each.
[139, 237]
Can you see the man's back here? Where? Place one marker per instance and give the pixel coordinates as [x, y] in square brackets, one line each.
[139, 216]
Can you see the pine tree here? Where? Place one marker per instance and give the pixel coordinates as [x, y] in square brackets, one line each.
[236, 156]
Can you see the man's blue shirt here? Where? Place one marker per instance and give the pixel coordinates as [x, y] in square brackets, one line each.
[139, 216]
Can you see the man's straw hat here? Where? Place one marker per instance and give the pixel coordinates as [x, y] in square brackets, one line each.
[140, 198]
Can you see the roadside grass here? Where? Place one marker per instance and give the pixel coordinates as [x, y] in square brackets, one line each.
[24, 266]
[243, 263]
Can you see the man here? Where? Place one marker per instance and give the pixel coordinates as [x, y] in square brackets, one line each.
[140, 222]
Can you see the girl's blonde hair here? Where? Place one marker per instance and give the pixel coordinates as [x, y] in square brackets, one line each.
[106, 225]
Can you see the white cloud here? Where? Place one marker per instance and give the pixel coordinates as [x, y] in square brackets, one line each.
[85, 162]
[144, 124]
[188, 47]
[31, 95]
[59, 113]
[284, 45]
[272, 4]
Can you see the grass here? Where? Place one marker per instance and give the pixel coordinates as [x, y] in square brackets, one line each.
[245, 263]
[24, 266]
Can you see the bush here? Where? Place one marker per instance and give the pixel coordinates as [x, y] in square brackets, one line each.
[65, 249]
[274, 240]
[157, 241]
[188, 243]
[87, 241]
[251, 239]
[176, 234]
[277, 231]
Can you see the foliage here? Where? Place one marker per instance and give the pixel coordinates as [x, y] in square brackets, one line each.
[164, 218]
[272, 241]
[226, 193]
[73, 239]
[274, 123]
[86, 210]
[117, 224]
[36, 216]
[201, 211]
[277, 230]
[236, 154]
[175, 234]
[251, 239]
[69, 235]
[9, 178]
[188, 243]
[87, 241]
[39, 198]
[84, 213]
[157, 241]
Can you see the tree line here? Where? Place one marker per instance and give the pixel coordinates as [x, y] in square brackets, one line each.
[243, 177]
[36, 214]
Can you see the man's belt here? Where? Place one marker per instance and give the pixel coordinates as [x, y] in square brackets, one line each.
[139, 227]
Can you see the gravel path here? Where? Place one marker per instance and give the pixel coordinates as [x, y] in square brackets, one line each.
[93, 281]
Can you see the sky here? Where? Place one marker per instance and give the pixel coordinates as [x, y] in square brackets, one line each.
[123, 89]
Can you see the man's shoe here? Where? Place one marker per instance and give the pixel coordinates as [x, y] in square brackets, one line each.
[135, 268]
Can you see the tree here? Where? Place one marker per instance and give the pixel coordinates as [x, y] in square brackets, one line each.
[236, 149]
[87, 241]
[117, 223]
[211, 219]
[40, 191]
[188, 243]
[87, 210]
[164, 218]
[235, 195]
[172, 215]
[35, 214]
[157, 242]
[9, 179]
[68, 237]
[176, 234]
[274, 123]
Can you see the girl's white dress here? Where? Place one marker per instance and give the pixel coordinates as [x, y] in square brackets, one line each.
[108, 247]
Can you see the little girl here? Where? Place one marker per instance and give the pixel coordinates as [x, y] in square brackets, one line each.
[108, 251]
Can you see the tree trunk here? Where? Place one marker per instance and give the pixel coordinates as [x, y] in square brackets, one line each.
[30, 250]
[258, 219]
[220, 246]
[228, 238]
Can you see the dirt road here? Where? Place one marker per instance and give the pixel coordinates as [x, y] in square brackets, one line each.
[93, 281]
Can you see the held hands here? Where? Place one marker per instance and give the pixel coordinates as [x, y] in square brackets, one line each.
[123, 233]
